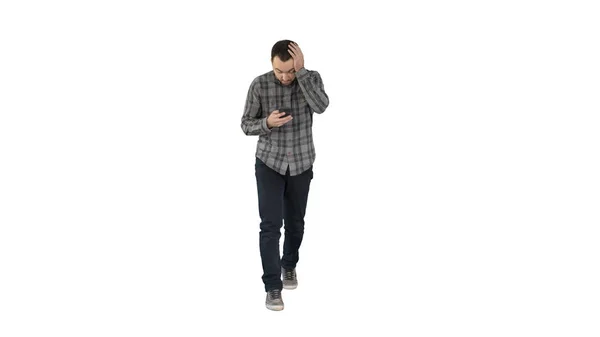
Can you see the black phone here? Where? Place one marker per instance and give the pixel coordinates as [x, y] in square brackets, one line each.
[286, 112]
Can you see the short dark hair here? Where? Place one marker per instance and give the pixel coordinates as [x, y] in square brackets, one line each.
[280, 48]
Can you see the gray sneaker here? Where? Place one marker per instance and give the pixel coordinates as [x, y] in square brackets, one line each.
[290, 281]
[274, 301]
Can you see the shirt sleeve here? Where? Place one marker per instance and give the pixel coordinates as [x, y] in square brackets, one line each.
[252, 122]
[313, 89]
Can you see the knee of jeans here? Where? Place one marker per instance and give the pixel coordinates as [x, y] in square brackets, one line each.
[294, 224]
[270, 226]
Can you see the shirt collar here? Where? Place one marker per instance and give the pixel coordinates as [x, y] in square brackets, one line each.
[275, 80]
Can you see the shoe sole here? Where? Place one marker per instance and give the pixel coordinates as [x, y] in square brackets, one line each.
[275, 307]
[290, 287]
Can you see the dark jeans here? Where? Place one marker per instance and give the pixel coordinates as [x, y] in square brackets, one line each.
[280, 197]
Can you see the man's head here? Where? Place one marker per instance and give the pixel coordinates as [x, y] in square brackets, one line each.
[283, 63]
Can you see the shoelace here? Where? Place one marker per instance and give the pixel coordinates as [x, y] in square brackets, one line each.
[275, 294]
[289, 275]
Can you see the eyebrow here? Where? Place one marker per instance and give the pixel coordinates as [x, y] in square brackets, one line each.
[287, 71]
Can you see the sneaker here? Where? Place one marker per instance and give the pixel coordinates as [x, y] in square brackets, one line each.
[274, 301]
[290, 281]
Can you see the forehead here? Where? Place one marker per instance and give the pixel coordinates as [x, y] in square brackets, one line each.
[283, 66]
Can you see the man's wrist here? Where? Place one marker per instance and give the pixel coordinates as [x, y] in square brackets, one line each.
[266, 124]
[301, 73]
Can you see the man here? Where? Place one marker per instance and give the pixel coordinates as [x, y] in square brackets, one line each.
[279, 109]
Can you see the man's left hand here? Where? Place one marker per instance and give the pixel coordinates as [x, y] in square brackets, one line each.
[297, 56]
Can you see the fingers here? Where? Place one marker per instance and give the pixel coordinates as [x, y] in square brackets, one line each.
[294, 49]
[277, 120]
[285, 120]
[297, 55]
[277, 112]
[282, 121]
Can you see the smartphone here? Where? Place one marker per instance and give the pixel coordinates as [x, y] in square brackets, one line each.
[286, 112]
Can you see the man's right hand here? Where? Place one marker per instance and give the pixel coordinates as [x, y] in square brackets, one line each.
[275, 120]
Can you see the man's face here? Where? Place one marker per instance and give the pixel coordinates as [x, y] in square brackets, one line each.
[284, 71]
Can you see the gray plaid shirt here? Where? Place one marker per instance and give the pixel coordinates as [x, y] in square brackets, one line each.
[292, 143]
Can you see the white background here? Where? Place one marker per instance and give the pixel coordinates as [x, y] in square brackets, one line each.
[456, 187]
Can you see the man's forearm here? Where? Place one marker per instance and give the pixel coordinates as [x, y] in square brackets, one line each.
[313, 90]
[255, 127]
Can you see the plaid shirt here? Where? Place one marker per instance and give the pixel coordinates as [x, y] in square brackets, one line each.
[290, 145]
